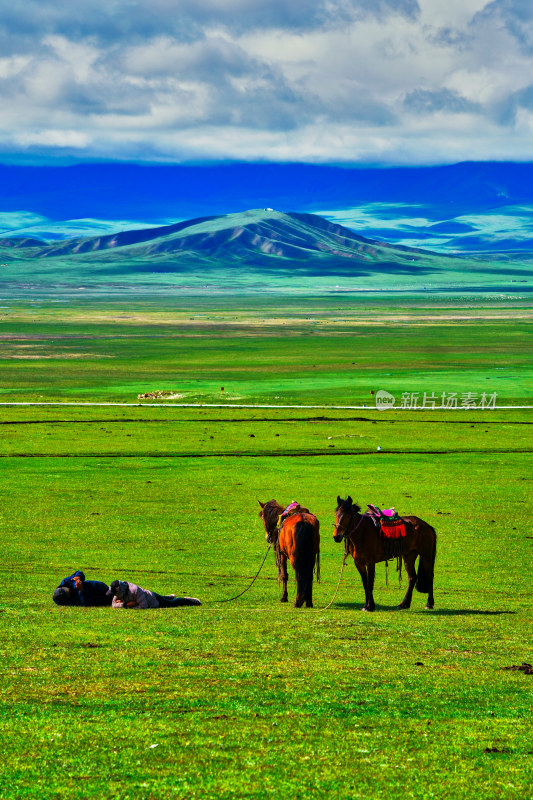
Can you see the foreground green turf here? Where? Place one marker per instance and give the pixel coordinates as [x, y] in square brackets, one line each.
[253, 699]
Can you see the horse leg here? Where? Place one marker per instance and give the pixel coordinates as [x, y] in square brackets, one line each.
[301, 588]
[361, 568]
[310, 572]
[284, 577]
[409, 562]
[427, 565]
[309, 588]
[370, 575]
[431, 600]
[300, 595]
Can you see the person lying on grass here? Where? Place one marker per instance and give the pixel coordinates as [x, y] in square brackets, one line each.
[76, 591]
[129, 595]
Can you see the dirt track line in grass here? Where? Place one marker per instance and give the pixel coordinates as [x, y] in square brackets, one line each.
[248, 421]
[268, 454]
[243, 405]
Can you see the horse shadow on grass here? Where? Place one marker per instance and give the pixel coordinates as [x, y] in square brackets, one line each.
[462, 612]
[448, 612]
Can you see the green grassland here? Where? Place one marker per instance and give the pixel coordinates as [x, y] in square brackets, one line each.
[253, 699]
[328, 350]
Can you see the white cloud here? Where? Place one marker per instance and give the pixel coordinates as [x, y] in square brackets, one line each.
[344, 80]
[450, 14]
[18, 220]
[53, 138]
[12, 66]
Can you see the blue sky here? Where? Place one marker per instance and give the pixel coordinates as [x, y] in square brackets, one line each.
[325, 81]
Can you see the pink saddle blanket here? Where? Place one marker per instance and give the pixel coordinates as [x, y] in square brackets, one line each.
[290, 508]
[379, 513]
[389, 512]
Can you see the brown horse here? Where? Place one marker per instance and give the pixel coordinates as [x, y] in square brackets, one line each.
[298, 540]
[367, 545]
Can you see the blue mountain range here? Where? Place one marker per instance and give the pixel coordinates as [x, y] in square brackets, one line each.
[465, 207]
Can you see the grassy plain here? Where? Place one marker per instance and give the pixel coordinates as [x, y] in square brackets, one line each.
[332, 350]
[253, 699]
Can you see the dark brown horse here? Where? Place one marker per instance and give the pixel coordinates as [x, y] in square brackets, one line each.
[298, 539]
[367, 545]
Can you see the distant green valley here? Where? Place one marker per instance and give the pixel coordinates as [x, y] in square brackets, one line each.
[253, 251]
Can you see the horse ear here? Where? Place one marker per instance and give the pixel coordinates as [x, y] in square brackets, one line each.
[349, 500]
[339, 501]
[261, 504]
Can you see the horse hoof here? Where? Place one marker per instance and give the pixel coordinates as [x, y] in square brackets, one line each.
[401, 607]
[367, 608]
[284, 600]
[429, 608]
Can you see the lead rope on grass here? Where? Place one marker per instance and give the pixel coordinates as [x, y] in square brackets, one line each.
[345, 556]
[229, 599]
[319, 610]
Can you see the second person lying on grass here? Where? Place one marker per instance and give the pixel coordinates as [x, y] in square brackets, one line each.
[129, 595]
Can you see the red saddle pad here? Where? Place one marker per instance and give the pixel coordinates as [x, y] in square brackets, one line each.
[394, 531]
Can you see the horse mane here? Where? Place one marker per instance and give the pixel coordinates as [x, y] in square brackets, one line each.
[356, 507]
[270, 512]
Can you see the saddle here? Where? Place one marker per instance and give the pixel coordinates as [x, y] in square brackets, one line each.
[391, 524]
[292, 508]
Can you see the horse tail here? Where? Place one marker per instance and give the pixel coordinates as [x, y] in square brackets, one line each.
[424, 578]
[304, 554]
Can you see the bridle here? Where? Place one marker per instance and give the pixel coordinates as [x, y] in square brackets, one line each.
[272, 534]
[348, 531]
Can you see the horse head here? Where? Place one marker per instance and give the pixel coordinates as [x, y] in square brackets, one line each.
[269, 513]
[345, 514]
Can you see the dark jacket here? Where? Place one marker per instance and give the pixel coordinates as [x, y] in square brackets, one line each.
[94, 593]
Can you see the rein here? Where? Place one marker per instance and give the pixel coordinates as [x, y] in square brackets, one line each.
[352, 531]
[397, 555]
[270, 543]
[273, 540]
[229, 599]
[345, 556]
